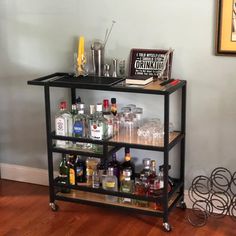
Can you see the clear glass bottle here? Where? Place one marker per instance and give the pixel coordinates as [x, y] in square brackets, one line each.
[96, 179]
[110, 183]
[141, 190]
[63, 174]
[63, 125]
[98, 127]
[91, 165]
[108, 116]
[126, 186]
[79, 128]
[146, 170]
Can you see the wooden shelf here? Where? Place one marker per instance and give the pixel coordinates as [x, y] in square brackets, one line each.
[102, 199]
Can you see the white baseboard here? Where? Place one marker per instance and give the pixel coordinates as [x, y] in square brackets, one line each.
[24, 174]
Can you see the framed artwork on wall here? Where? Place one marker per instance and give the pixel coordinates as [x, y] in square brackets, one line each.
[226, 28]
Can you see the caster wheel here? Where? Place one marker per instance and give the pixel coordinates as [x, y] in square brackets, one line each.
[182, 205]
[54, 206]
[167, 227]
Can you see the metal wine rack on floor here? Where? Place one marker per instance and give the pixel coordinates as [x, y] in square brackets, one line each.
[87, 195]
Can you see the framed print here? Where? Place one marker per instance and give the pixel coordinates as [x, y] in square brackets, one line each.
[150, 62]
[226, 28]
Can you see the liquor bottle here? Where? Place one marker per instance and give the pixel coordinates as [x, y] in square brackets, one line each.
[63, 174]
[116, 167]
[127, 164]
[141, 190]
[98, 127]
[79, 122]
[101, 169]
[113, 106]
[126, 185]
[80, 170]
[109, 182]
[71, 169]
[153, 180]
[108, 116]
[91, 165]
[73, 110]
[96, 179]
[63, 125]
[146, 170]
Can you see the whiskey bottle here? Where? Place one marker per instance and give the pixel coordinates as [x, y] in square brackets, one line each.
[126, 185]
[116, 167]
[63, 125]
[80, 170]
[146, 170]
[71, 170]
[141, 190]
[110, 183]
[127, 164]
[63, 174]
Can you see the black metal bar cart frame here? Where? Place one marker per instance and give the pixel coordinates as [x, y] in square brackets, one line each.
[167, 199]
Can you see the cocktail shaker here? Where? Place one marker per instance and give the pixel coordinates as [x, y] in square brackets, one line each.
[97, 49]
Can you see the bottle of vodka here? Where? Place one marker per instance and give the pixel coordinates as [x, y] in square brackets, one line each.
[63, 125]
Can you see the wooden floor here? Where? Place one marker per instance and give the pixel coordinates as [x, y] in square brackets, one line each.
[24, 210]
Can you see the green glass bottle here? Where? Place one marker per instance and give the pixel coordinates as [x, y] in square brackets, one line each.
[63, 174]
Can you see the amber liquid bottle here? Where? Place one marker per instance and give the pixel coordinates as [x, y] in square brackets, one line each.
[127, 164]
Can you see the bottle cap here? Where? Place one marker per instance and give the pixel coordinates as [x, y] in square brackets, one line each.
[153, 163]
[99, 107]
[73, 107]
[63, 105]
[113, 100]
[91, 109]
[110, 170]
[106, 103]
[146, 161]
[80, 106]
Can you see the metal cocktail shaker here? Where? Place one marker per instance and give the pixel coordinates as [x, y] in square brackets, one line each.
[97, 58]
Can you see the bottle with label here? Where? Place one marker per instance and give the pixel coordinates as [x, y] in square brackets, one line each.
[126, 185]
[116, 121]
[141, 190]
[116, 167]
[71, 169]
[108, 116]
[101, 169]
[91, 166]
[98, 127]
[63, 125]
[153, 180]
[146, 170]
[96, 179]
[63, 174]
[127, 164]
[113, 106]
[110, 183]
[80, 170]
[79, 128]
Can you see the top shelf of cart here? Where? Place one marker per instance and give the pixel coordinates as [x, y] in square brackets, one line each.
[66, 80]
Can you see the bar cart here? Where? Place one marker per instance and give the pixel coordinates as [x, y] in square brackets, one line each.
[96, 196]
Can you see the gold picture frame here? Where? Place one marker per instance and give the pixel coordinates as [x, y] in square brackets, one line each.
[226, 28]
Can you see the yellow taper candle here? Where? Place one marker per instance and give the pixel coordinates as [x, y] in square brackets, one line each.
[80, 50]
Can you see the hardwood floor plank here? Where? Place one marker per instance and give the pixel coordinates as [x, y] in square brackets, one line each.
[24, 211]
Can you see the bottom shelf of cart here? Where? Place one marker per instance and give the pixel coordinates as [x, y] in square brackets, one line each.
[95, 199]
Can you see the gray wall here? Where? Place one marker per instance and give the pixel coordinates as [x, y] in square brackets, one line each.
[39, 37]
